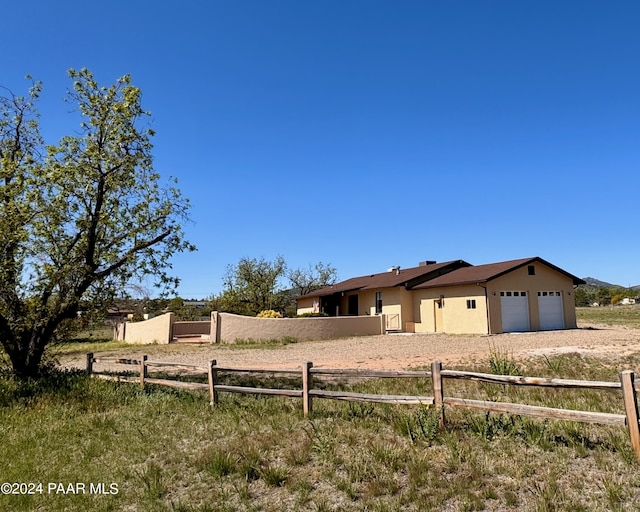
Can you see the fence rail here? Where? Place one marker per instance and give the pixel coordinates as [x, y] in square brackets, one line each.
[307, 372]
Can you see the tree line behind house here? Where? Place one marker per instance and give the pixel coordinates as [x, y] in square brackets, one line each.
[254, 285]
[601, 293]
[250, 286]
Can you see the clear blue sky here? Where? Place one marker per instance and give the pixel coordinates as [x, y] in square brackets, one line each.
[367, 134]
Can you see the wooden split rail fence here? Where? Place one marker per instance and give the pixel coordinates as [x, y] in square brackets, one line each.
[437, 374]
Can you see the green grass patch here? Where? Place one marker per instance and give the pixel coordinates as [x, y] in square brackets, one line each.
[168, 450]
[625, 316]
[250, 343]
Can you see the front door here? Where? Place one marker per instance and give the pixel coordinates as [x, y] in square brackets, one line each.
[437, 315]
[353, 305]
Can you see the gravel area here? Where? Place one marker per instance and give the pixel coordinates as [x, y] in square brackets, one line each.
[391, 351]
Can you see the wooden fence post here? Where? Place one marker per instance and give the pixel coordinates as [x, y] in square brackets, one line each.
[627, 379]
[306, 386]
[89, 363]
[143, 370]
[438, 394]
[213, 374]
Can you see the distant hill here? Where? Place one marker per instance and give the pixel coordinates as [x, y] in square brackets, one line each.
[592, 281]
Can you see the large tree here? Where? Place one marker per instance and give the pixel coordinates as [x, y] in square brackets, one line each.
[306, 280]
[80, 219]
[253, 285]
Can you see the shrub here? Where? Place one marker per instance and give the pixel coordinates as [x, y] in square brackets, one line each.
[503, 363]
[310, 315]
[269, 313]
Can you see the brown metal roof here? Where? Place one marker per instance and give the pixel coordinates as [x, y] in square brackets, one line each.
[484, 273]
[407, 276]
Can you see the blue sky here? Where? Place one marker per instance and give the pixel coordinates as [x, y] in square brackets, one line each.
[367, 134]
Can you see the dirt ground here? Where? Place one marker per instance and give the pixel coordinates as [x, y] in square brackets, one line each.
[394, 351]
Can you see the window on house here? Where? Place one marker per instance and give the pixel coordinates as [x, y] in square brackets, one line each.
[471, 303]
[378, 303]
[532, 270]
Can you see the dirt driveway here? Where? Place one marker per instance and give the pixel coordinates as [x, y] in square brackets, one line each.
[395, 351]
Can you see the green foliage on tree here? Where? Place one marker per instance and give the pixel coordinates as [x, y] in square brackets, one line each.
[587, 295]
[314, 277]
[583, 297]
[185, 311]
[80, 219]
[254, 285]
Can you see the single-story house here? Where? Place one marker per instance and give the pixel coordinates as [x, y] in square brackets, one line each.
[528, 294]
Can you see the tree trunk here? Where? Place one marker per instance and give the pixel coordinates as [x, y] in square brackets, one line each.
[25, 354]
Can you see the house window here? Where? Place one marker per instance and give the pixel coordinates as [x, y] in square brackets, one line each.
[378, 303]
[532, 270]
[549, 294]
[471, 303]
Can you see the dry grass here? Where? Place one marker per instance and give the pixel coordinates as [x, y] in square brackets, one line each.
[169, 451]
[626, 316]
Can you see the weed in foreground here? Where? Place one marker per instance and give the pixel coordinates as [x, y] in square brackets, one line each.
[502, 362]
[220, 462]
[422, 425]
[274, 475]
[153, 481]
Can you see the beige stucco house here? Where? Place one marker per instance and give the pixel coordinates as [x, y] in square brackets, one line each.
[528, 294]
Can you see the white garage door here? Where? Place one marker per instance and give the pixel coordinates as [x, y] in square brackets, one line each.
[515, 311]
[551, 310]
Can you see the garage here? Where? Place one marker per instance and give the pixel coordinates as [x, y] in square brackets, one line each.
[515, 311]
[551, 310]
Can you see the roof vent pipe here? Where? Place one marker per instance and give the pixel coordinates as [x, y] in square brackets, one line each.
[395, 269]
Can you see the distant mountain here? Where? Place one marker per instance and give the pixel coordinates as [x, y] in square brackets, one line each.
[592, 281]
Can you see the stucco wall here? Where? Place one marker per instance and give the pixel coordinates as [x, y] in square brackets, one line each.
[457, 319]
[156, 330]
[306, 305]
[545, 279]
[227, 328]
[397, 305]
[454, 316]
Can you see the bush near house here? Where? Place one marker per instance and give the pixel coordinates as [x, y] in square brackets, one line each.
[269, 313]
